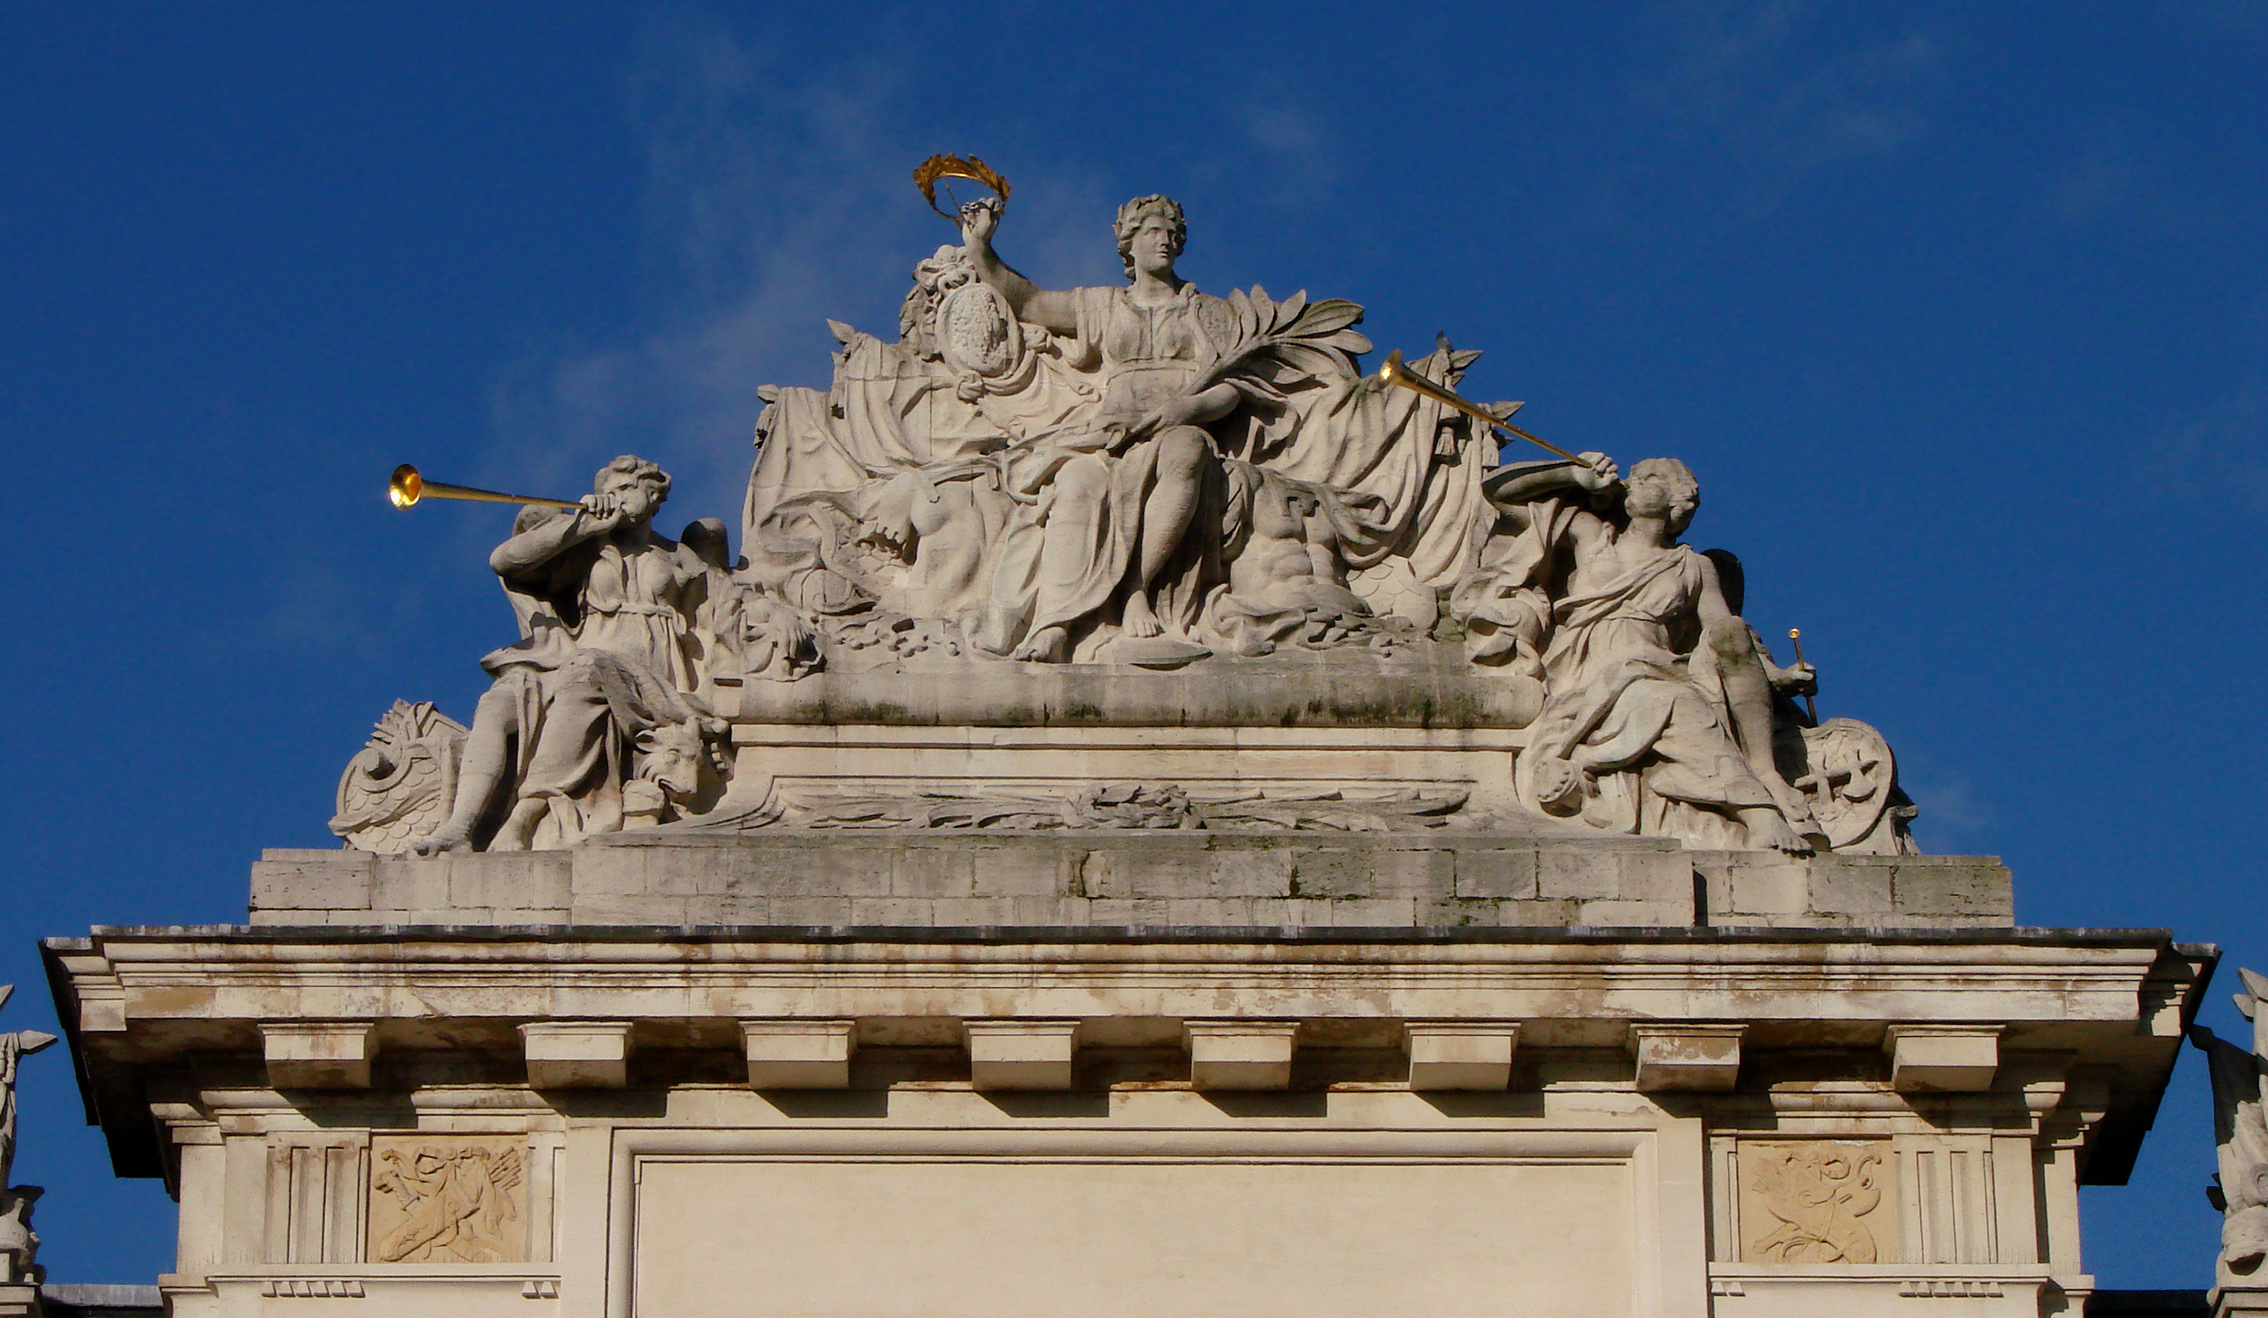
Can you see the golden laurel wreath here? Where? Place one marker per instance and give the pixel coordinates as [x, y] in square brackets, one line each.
[927, 173]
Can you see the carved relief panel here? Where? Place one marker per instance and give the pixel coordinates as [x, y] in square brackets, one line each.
[1817, 1201]
[1912, 1198]
[448, 1199]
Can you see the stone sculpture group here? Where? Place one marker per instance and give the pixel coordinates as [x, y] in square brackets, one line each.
[1132, 479]
[2240, 1130]
[19, 1245]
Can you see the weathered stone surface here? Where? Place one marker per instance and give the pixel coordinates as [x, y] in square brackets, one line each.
[1942, 1058]
[886, 1076]
[1942, 885]
[1496, 872]
[1467, 1055]
[577, 1054]
[1021, 1054]
[313, 1054]
[1134, 879]
[1434, 688]
[792, 1053]
[1687, 1057]
[1836, 891]
[297, 879]
[1242, 1054]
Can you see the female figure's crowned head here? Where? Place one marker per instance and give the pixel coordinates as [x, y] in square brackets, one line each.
[1151, 233]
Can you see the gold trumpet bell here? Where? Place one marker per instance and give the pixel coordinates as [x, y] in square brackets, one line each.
[406, 487]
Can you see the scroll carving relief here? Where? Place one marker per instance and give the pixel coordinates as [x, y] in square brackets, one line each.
[1129, 805]
[447, 1201]
[1818, 1201]
[398, 788]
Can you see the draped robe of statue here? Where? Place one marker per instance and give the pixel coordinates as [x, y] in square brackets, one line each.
[606, 652]
[2241, 1136]
[1088, 499]
[956, 466]
[1625, 689]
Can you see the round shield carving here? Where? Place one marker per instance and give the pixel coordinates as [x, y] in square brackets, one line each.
[1849, 776]
[976, 333]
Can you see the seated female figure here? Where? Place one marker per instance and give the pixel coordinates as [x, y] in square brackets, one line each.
[1119, 500]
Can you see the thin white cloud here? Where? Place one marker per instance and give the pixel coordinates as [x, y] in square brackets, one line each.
[2113, 179]
[1765, 93]
[1953, 818]
[771, 203]
[310, 606]
[777, 196]
[1288, 144]
[2220, 447]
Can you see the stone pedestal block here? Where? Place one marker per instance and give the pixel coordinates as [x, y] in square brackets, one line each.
[792, 1054]
[1240, 1054]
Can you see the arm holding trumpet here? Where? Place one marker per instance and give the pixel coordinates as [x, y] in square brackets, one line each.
[621, 507]
[1512, 488]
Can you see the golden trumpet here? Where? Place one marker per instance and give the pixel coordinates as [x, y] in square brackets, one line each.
[1810, 703]
[1394, 372]
[407, 487]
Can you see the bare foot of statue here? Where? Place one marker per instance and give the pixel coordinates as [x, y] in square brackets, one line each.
[1793, 803]
[517, 833]
[1768, 829]
[1139, 621]
[450, 836]
[1044, 646]
[1796, 808]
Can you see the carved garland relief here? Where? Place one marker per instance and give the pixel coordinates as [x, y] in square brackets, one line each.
[456, 1200]
[1818, 1201]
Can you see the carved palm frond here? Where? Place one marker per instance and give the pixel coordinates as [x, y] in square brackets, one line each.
[1279, 343]
[505, 1173]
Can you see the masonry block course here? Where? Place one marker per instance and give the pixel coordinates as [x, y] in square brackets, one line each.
[1133, 879]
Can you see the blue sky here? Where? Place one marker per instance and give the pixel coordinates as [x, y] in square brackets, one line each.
[1959, 312]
